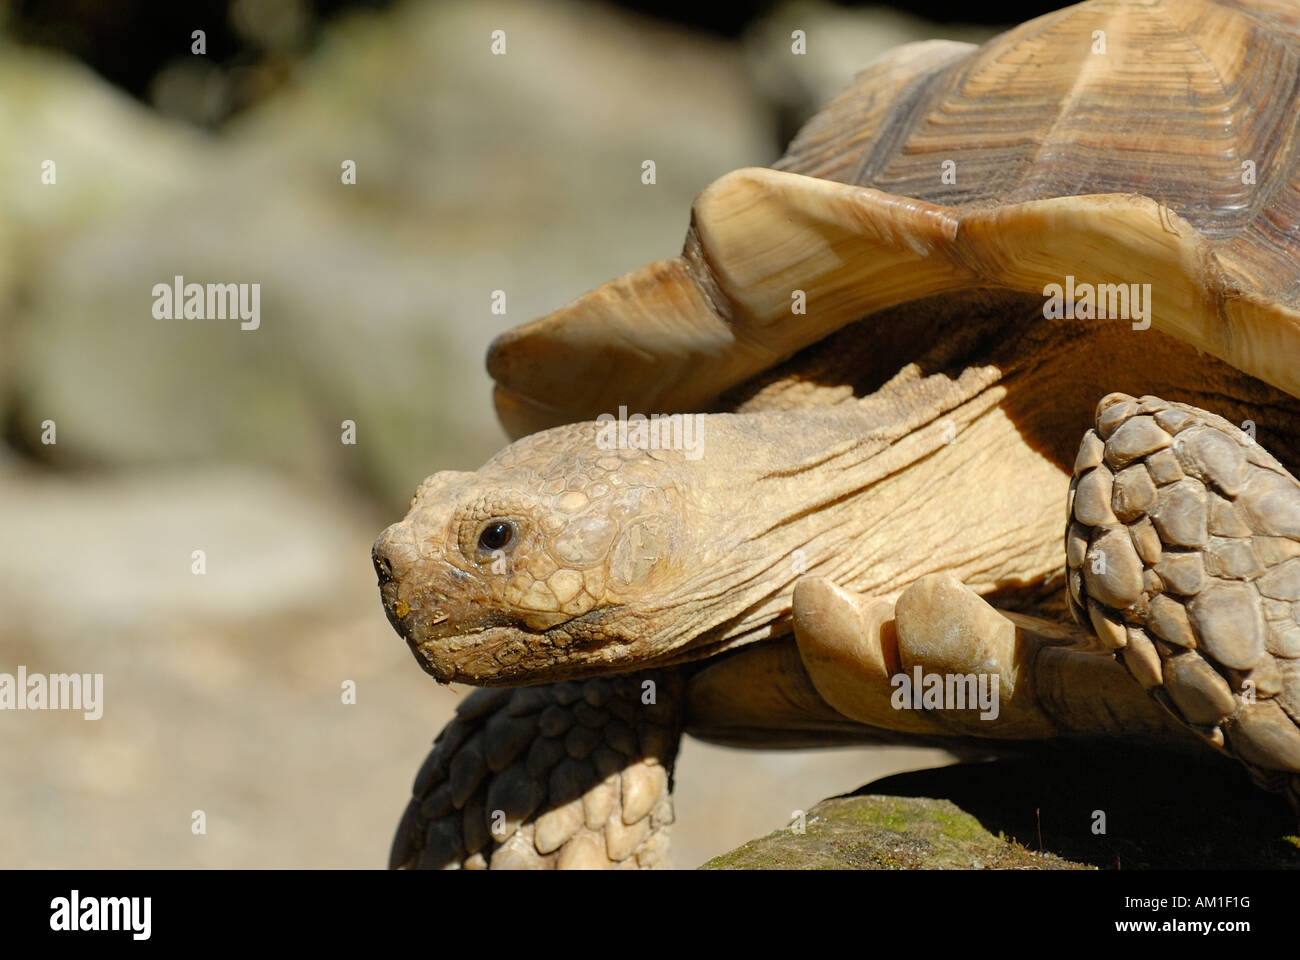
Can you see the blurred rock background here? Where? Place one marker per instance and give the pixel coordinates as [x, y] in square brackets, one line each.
[474, 173]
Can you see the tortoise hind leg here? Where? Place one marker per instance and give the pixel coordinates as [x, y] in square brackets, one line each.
[573, 775]
[1183, 556]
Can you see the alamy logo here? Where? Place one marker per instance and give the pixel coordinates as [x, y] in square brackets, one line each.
[946, 691]
[57, 691]
[1086, 301]
[214, 301]
[102, 913]
[659, 431]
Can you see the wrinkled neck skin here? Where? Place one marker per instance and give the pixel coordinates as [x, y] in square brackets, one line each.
[926, 475]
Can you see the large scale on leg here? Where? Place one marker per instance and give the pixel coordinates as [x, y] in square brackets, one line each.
[914, 434]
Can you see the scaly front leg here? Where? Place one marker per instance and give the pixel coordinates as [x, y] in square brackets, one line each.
[573, 775]
[1183, 549]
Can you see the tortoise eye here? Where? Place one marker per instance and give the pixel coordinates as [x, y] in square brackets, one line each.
[496, 535]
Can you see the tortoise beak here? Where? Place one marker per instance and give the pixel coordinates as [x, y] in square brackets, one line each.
[392, 559]
[413, 589]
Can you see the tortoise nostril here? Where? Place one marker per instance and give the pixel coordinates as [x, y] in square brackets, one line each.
[383, 566]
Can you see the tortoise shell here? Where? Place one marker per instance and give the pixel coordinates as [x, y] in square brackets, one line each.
[1126, 142]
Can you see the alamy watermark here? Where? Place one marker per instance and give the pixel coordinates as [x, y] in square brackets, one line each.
[946, 691]
[659, 431]
[56, 691]
[1101, 301]
[213, 301]
[77, 913]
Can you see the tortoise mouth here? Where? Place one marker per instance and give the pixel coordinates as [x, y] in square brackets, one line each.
[495, 649]
[492, 656]
[509, 654]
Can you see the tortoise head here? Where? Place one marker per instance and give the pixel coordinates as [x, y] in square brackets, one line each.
[552, 559]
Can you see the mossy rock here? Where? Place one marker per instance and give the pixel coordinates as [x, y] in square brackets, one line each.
[1078, 811]
[885, 833]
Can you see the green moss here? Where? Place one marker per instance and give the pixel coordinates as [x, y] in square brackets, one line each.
[885, 833]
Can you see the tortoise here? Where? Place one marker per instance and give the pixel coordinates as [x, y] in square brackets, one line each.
[874, 363]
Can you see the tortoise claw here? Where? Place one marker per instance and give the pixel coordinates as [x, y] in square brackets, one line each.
[865, 656]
